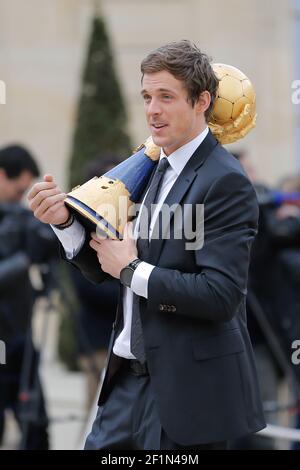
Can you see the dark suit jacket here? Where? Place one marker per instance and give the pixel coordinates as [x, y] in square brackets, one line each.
[198, 349]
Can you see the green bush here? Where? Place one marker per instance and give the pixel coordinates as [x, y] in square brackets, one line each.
[101, 117]
[99, 131]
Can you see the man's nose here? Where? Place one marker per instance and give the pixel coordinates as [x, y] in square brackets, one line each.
[154, 108]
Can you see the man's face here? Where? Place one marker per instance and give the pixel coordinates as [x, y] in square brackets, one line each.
[13, 190]
[171, 118]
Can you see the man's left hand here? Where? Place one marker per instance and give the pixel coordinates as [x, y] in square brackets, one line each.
[114, 255]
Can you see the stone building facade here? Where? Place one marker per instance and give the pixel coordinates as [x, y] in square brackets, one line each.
[43, 45]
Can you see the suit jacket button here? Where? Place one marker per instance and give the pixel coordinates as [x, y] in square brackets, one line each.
[161, 307]
[173, 308]
[168, 308]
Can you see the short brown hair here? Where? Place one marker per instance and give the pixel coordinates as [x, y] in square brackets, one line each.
[187, 63]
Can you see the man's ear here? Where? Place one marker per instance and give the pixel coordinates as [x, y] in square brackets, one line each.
[203, 102]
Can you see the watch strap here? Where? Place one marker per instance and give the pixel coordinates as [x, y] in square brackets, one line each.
[134, 264]
[129, 271]
[67, 223]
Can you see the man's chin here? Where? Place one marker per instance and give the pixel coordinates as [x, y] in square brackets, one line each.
[159, 141]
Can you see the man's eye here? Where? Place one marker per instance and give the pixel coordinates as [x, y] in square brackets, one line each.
[146, 98]
[167, 97]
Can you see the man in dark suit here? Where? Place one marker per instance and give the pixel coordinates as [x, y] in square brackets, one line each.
[180, 372]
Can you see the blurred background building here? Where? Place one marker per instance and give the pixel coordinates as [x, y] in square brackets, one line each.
[43, 46]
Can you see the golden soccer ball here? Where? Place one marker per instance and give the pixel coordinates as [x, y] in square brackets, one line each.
[234, 111]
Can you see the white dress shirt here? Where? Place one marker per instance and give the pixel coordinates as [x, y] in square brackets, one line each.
[73, 238]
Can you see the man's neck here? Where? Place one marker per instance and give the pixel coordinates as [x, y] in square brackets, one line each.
[169, 151]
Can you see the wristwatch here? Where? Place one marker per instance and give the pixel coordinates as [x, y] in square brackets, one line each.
[126, 273]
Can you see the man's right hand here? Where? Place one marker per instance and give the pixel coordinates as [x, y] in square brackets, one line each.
[46, 201]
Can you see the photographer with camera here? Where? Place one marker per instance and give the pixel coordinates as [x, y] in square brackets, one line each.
[23, 241]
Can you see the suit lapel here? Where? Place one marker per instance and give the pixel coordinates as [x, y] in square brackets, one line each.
[179, 189]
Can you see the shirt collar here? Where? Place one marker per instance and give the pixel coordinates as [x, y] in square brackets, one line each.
[181, 156]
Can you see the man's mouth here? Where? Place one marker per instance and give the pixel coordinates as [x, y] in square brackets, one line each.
[158, 126]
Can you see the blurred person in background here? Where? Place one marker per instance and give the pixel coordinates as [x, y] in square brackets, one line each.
[275, 263]
[288, 232]
[274, 281]
[267, 367]
[23, 242]
[244, 158]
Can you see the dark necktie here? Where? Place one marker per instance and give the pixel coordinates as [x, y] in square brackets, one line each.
[151, 198]
[136, 341]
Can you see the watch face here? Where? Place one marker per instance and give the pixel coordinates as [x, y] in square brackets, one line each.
[126, 276]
